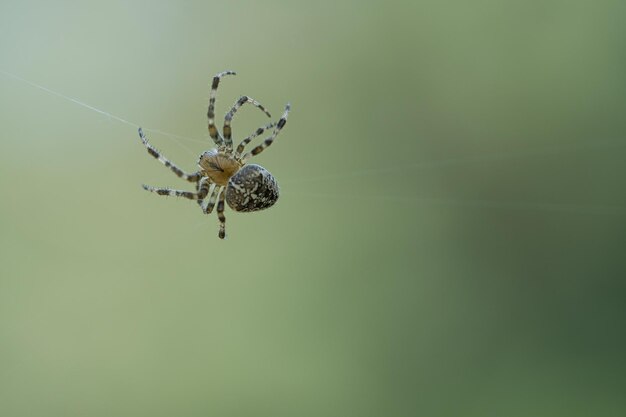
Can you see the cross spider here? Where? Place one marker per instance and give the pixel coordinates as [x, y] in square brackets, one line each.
[223, 171]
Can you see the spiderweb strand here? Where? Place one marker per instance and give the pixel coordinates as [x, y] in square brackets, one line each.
[176, 138]
[581, 209]
[348, 174]
[552, 150]
[478, 203]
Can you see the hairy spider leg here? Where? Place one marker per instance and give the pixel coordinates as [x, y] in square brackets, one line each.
[229, 117]
[220, 215]
[267, 142]
[213, 132]
[195, 177]
[168, 191]
[247, 140]
[202, 188]
[209, 207]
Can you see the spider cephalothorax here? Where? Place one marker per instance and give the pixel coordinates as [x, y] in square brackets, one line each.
[223, 171]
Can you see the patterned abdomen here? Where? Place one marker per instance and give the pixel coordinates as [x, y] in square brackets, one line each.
[252, 188]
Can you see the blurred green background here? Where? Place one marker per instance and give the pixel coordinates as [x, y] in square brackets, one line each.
[450, 238]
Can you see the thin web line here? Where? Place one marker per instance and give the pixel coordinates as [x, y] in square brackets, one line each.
[553, 150]
[479, 203]
[583, 209]
[353, 173]
[177, 138]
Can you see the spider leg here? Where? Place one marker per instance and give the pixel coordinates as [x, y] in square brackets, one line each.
[213, 132]
[281, 123]
[170, 192]
[229, 116]
[202, 187]
[247, 140]
[220, 215]
[209, 207]
[152, 151]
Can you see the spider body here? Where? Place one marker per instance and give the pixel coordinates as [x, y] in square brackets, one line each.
[253, 188]
[248, 187]
[223, 175]
[218, 166]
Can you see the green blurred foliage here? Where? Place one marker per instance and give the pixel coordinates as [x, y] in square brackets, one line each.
[449, 240]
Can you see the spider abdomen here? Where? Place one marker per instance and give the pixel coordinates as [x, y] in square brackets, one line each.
[252, 188]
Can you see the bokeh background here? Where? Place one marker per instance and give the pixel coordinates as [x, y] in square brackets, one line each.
[450, 238]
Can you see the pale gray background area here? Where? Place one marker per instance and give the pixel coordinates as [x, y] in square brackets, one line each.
[449, 240]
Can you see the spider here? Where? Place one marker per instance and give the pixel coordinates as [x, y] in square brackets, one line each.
[223, 171]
